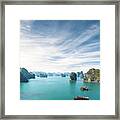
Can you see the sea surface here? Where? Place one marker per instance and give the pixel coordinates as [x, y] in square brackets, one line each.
[57, 88]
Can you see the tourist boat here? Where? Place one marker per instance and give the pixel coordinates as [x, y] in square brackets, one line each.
[84, 88]
[81, 98]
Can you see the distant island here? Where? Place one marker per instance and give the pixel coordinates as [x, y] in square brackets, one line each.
[92, 75]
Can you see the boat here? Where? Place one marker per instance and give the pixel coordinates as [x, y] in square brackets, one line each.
[84, 88]
[81, 98]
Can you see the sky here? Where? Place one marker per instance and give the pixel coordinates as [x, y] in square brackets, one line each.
[59, 45]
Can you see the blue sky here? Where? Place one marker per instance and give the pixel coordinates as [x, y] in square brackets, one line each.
[59, 45]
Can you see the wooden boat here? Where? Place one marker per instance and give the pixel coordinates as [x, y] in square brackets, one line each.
[84, 88]
[81, 98]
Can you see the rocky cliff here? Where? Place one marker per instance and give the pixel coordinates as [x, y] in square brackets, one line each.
[25, 75]
[93, 75]
[73, 76]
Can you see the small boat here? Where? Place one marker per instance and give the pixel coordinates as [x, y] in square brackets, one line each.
[84, 88]
[81, 98]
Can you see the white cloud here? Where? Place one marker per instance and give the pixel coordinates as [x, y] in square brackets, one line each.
[45, 52]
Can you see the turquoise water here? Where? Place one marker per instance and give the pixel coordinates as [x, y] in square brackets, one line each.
[57, 88]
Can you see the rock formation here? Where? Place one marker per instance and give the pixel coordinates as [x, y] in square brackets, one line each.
[73, 76]
[82, 74]
[25, 75]
[93, 75]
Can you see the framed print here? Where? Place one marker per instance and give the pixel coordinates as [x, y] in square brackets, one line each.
[59, 59]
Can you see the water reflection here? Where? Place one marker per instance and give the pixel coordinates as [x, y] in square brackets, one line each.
[72, 84]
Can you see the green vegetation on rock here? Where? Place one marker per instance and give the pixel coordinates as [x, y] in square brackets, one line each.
[93, 75]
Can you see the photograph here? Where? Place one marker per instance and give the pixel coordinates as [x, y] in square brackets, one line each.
[59, 59]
